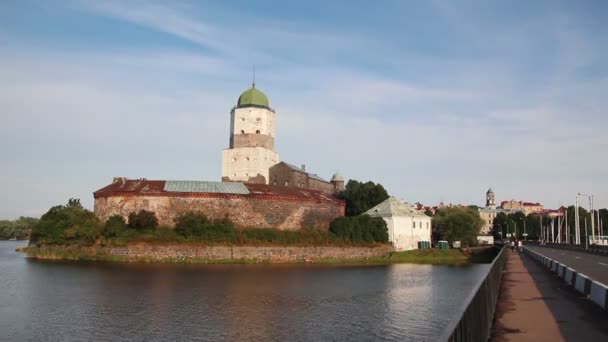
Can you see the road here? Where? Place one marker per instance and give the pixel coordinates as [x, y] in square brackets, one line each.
[592, 265]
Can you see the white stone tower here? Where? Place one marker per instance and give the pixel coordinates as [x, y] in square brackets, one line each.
[490, 199]
[252, 130]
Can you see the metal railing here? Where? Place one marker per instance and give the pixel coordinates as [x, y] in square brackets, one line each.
[476, 316]
[593, 249]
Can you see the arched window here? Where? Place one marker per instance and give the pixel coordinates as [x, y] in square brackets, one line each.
[257, 131]
[414, 224]
[242, 132]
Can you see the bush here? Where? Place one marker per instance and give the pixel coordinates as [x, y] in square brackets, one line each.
[360, 229]
[115, 226]
[197, 226]
[143, 220]
[64, 224]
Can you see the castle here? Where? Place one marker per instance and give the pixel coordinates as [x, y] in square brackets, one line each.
[257, 189]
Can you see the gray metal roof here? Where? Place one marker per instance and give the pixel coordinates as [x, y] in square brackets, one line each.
[394, 207]
[203, 186]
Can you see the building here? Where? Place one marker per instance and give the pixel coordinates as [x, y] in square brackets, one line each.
[251, 150]
[247, 205]
[490, 211]
[406, 225]
[289, 175]
[295, 200]
[527, 207]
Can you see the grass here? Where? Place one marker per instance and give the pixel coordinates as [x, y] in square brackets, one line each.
[425, 256]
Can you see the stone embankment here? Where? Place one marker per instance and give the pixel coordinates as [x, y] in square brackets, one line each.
[197, 253]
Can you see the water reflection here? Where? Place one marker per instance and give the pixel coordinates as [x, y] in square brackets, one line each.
[107, 302]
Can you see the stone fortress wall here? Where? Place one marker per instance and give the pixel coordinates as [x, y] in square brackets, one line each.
[300, 209]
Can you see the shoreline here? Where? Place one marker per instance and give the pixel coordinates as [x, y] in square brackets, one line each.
[248, 255]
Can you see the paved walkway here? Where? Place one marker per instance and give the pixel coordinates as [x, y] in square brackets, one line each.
[535, 305]
[592, 265]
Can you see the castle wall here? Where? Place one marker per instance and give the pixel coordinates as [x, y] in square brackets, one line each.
[245, 211]
[326, 187]
[200, 253]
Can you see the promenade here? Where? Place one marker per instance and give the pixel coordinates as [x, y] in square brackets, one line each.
[535, 305]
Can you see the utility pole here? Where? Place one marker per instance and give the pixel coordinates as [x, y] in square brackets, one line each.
[577, 234]
[586, 235]
[592, 218]
[559, 229]
[567, 226]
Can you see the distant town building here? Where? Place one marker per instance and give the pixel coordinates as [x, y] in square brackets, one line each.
[490, 211]
[527, 207]
[406, 225]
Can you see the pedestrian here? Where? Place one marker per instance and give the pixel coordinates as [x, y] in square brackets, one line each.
[512, 246]
[520, 246]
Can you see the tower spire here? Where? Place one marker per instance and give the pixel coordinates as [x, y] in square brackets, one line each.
[253, 83]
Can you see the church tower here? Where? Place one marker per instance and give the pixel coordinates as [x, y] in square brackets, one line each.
[490, 199]
[252, 130]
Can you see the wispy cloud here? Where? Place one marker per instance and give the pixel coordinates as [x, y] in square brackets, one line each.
[515, 110]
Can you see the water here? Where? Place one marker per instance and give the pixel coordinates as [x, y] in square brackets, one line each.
[55, 301]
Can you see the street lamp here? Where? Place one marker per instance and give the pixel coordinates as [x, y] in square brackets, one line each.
[525, 234]
[592, 225]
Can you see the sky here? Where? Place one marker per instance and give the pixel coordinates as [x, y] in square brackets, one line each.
[435, 100]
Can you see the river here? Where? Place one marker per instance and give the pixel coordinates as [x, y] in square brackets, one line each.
[68, 301]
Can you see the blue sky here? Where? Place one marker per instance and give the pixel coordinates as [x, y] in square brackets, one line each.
[433, 99]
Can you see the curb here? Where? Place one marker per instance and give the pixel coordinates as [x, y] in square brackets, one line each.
[596, 291]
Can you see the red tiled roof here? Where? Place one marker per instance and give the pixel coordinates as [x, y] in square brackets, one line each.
[143, 187]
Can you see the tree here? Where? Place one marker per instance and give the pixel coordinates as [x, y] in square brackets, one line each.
[198, 225]
[359, 229]
[114, 226]
[63, 224]
[143, 220]
[458, 224]
[361, 197]
[428, 212]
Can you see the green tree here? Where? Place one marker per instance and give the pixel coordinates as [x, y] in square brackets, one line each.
[428, 212]
[143, 220]
[65, 224]
[361, 197]
[115, 226]
[360, 229]
[198, 226]
[458, 224]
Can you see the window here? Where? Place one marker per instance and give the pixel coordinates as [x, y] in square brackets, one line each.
[257, 131]
[242, 132]
[233, 159]
[242, 119]
[246, 174]
[286, 183]
[414, 224]
[247, 158]
[427, 225]
[258, 119]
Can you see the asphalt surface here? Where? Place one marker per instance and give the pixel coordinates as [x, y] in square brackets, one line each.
[535, 305]
[592, 265]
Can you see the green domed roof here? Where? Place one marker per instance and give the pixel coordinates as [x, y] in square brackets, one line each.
[252, 97]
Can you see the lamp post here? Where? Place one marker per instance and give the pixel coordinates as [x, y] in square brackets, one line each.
[525, 234]
[592, 225]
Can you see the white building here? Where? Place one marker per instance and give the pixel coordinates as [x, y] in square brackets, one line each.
[252, 130]
[406, 225]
